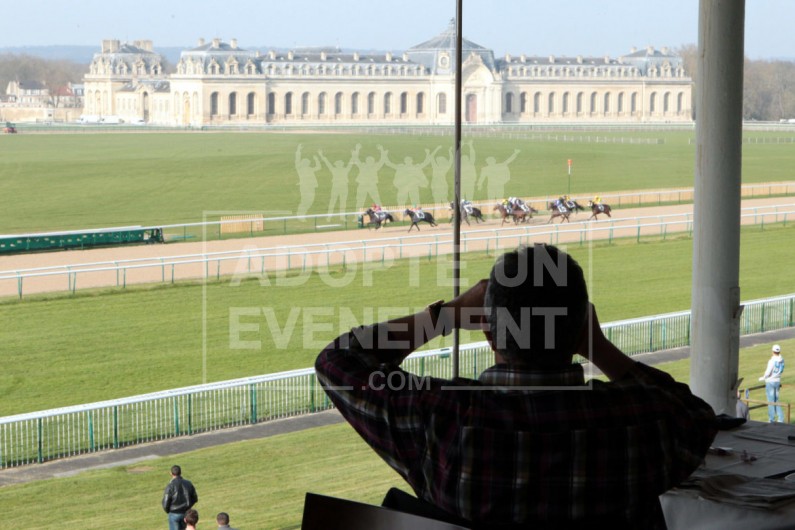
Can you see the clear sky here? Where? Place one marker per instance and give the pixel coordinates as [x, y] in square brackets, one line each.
[534, 27]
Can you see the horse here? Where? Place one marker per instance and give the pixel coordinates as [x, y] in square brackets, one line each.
[573, 206]
[558, 210]
[518, 215]
[418, 217]
[378, 218]
[596, 209]
[476, 213]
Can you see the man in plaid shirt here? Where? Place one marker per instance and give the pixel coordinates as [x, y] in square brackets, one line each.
[530, 441]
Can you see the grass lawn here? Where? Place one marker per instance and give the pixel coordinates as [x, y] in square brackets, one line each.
[275, 472]
[62, 181]
[65, 350]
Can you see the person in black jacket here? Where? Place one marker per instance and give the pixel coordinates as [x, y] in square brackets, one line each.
[178, 498]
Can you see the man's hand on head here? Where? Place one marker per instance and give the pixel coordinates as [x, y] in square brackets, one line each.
[468, 306]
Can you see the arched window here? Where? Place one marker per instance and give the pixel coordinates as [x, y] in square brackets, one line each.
[355, 103]
[606, 107]
[321, 104]
[288, 103]
[620, 106]
[653, 102]
[338, 103]
[371, 103]
[233, 103]
[537, 102]
[551, 103]
[404, 102]
[250, 103]
[523, 102]
[633, 102]
[680, 102]
[214, 104]
[579, 102]
[388, 103]
[271, 103]
[666, 102]
[420, 102]
[565, 108]
[593, 103]
[441, 103]
[305, 103]
[508, 103]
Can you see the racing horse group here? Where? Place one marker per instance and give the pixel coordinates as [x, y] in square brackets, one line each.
[559, 208]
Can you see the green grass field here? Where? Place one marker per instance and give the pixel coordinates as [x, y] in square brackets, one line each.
[65, 181]
[276, 473]
[65, 350]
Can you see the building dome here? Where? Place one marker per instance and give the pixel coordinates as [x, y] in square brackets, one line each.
[438, 53]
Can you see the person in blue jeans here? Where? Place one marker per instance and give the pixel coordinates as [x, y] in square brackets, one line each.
[772, 379]
[178, 497]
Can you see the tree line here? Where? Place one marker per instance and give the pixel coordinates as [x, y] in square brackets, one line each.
[769, 93]
[768, 85]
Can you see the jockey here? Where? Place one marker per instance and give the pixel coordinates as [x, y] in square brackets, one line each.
[467, 206]
[376, 207]
[597, 200]
[506, 203]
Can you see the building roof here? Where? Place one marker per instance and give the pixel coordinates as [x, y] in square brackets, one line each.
[446, 40]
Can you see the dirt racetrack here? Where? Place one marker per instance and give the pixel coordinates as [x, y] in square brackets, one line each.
[157, 263]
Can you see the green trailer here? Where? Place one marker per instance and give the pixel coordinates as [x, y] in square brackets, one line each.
[80, 239]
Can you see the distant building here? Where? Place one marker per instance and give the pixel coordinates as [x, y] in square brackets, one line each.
[219, 83]
[68, 96]
[28, 93]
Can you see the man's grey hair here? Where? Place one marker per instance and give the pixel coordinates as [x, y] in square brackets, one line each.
[536, 302]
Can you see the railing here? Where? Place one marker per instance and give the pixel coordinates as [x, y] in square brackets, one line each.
[41, 436]
[760, 403]
[263, 261]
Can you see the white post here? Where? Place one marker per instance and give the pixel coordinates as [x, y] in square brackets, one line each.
[716, 218]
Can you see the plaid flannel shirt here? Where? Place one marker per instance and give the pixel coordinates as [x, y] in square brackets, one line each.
[522, 446]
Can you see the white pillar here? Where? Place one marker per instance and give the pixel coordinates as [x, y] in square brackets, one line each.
[716, 236]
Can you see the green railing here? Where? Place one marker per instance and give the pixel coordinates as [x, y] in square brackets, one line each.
[58, 433]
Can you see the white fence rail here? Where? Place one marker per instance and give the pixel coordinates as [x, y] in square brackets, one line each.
[42, 436]
[264, 261]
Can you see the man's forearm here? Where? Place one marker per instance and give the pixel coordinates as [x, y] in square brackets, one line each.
[396, 339]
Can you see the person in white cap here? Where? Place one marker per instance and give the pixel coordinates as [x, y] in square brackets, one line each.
[772, 379]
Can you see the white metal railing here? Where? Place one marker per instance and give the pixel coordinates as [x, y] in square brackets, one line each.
[63, 432]
[262, 261]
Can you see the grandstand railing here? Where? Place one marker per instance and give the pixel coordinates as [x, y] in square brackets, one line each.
[263, 261]
[58, 433]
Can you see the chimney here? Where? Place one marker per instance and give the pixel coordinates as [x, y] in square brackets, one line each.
[216, 43]
[323, 56]
[271, 55]
[523, 58]
[664, 50]
[233, 44]
[389, 57]
[650, 50]
[355, 56]
[110, 46]
[290, 55]
[405, 57]
[579, 59]
[507, 57]
[551, 58]
[607, 59]
[633, 50]
[200, 43]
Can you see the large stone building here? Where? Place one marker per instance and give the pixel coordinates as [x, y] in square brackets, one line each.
[219, 83]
